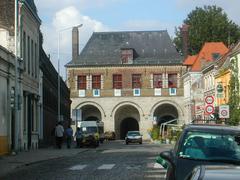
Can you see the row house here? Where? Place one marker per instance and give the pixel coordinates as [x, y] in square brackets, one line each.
[199, 80]
[128, 80]
[22, 133]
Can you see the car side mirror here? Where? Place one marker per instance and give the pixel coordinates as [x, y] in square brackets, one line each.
[167, 155]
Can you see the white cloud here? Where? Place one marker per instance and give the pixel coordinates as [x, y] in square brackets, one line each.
[61, 25]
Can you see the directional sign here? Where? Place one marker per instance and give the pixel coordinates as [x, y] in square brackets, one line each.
[209, 99]
[224, 111]
[209, 109]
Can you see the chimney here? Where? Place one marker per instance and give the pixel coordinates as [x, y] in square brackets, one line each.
[75, 44]
[185, 39]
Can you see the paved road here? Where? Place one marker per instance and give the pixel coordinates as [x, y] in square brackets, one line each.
[111, 161]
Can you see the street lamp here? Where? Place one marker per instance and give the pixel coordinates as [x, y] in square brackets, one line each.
[59, 32]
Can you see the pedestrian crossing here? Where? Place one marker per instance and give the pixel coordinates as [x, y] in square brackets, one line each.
[149, 171]
[78, 167]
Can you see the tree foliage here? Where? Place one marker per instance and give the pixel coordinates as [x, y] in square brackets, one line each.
[207, 24]
[234, 98]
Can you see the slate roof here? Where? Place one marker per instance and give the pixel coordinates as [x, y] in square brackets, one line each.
[149, 47]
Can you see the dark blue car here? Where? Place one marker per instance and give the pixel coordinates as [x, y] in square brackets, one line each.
[202, 145]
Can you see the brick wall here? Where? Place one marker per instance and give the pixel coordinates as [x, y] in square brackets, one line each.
[107, 73]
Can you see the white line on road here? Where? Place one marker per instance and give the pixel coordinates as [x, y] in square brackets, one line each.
[77, 167]
[158, 166]
[106, 166]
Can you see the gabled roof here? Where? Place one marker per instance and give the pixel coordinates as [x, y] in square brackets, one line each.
[190, 60]
[210, 51]
[149, 47]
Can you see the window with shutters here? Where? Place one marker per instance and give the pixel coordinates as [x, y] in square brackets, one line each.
[172, 80]
[157, 80]
[117, 81]
[82, 83]
[96, 81]
[136, 81]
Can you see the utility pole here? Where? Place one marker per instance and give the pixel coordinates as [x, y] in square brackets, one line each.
[16, 118]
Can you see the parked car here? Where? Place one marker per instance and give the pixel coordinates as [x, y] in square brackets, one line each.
[202, 145]
[109, 135]
[215, 173]
[133, 137]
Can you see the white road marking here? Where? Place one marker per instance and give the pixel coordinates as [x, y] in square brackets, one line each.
[78, 167]
[106, 166]
[158, 166]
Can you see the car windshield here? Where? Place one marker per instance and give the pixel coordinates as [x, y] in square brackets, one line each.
[211, 147]
[133, 133]
[89, 129]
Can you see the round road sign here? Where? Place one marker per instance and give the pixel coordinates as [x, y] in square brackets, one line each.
[209, 109]
[224, 112]
[209, 99]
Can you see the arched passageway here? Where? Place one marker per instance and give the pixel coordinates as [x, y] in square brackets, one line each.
[128, 124]
[126, 118]
[165, 113]
[90, 113]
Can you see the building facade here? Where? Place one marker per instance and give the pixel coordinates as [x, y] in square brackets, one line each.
[28, 53]
[128, 80]
[199, 81]
[49, 100]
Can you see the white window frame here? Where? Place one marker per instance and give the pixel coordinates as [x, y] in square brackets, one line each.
[81, 92]
[96, 92]
[117, 92]
[172, 93]
[135, 90]
[158, 91]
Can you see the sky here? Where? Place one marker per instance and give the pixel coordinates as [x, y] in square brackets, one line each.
[58, 16]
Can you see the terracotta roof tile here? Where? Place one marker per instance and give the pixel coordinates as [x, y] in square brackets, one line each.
[190, 60]
[207, 53]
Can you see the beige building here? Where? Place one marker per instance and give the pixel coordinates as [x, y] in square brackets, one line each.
[128, 80]
[28, 73]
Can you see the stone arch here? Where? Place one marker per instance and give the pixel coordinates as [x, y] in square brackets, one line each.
[155, 106]
[126, 103]
[91, 103]
[127, 116]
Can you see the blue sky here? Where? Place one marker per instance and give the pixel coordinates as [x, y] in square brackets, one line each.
[114, 15]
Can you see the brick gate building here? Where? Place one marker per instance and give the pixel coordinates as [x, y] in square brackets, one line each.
[127, 80]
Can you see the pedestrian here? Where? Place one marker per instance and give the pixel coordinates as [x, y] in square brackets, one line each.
[78, 135]
[69, 134]
[59, 135]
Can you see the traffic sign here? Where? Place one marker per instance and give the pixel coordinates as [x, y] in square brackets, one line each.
[209, 99]
[224, 111]
[209, 109]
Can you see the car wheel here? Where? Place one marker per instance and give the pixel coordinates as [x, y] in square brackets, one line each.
[140, 142]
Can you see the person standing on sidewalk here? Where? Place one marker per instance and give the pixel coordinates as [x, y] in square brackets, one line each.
[78, 135]
[59, 135]
[69, 134]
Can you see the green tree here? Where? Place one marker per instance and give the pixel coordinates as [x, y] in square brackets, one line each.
[207, 24]
[234, 98]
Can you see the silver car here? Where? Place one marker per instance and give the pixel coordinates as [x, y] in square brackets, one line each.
[133, 137]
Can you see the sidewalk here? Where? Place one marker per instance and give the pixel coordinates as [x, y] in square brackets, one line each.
[10, 162]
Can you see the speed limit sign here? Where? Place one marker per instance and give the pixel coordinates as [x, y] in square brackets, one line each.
[209, 109]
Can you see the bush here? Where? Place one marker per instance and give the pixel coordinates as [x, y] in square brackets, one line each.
[155, 132]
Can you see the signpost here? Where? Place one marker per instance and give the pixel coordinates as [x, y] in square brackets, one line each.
[209, 108]
[224, 111]
[209, 99]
